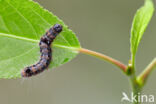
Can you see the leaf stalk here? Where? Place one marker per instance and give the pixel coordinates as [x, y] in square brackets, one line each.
[142, 78]
[104, 57]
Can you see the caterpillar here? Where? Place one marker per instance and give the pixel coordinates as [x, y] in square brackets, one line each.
[46, 52]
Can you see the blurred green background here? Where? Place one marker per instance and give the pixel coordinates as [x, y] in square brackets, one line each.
[100, 25]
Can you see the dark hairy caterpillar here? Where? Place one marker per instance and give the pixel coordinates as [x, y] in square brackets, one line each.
[46, 52]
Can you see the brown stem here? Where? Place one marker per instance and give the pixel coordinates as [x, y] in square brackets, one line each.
[144, 75]
[104, 57]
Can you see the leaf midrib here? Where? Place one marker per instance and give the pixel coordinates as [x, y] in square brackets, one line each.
[37, 41]
[33, 40]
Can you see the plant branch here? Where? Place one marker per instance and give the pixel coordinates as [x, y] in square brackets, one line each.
[135, 86]
[104, 57]
[144, 75]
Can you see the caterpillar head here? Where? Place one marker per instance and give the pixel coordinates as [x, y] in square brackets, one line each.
[57, 28]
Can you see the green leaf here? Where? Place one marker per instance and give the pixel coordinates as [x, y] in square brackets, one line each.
[22, 23]
[140, 22]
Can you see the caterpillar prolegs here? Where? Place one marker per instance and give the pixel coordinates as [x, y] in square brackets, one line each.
[46, 52]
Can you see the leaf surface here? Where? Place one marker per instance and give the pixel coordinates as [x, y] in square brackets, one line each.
[140, 23]
[22, 23]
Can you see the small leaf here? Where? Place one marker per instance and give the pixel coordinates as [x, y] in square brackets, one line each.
[140, 22]
[22, 23]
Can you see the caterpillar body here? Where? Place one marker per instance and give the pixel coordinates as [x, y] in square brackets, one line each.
[46, 52]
